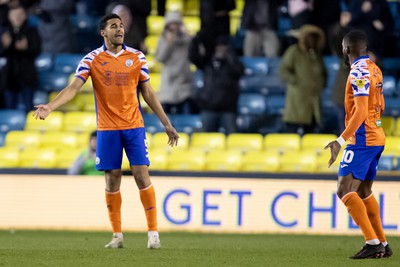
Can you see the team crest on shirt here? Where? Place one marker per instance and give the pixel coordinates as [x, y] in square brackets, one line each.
[129, 63]
[97, 160]
[360, 83]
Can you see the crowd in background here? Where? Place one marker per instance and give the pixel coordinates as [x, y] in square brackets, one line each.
[211, 50]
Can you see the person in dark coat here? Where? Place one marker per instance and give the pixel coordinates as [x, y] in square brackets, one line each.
[260, 23]
[218, 99]
[20, 45]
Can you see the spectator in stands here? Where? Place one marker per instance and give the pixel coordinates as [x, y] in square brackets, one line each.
[176, 78]
[260, 23]
[300, 12]
[20, 45]
[372, 17]
[54, 25]
[215, 21]
[218, 99]
[303, 70]
[133, 36]
[326, 15]
[139, 10]
[85, 164]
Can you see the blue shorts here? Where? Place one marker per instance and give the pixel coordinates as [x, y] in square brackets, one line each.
[362, 162]
[110, 145]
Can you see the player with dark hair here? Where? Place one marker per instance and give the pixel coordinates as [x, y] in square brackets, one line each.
[364, 105]
[119, 74]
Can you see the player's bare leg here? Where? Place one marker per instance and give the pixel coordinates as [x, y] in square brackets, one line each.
[114, 201]
[148, 198]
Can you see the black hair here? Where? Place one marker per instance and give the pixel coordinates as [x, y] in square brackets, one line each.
[93, 134]
[356, 37]
[103, 20]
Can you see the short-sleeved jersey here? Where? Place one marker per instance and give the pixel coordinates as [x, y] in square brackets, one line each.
[365, 80]
[115, 79]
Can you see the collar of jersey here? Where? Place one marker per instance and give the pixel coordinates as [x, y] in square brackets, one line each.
[359, 58]
[111, 53]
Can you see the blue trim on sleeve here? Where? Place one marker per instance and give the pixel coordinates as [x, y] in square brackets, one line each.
[144, 81]
[145, 70]
[361, 95]
[80, 77]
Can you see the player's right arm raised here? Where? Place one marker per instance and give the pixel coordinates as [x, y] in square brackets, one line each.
[68, 93]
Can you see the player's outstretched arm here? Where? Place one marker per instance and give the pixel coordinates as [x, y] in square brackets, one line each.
[151, 99]
[65, 95]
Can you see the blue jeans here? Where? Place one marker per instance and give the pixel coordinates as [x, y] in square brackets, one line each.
[212, 121]
[11, 97]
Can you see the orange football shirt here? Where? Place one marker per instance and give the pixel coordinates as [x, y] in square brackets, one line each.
[365, 81]
[115, 79]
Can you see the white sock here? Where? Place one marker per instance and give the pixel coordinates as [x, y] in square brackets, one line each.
[119, 235]
[152, 233]
[373, 242]
[384, 244]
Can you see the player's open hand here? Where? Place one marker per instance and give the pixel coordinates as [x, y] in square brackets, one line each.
[335, 148]
[41, 112]
[172, 135]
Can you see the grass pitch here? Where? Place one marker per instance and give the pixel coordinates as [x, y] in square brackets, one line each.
[63, 248]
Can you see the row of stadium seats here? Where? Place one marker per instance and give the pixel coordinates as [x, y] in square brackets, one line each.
[306, 161]
[254, 110]
[206, 142]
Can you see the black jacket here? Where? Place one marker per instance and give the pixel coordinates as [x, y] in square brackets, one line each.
[220, 92]
[20, 68]
[251, 9]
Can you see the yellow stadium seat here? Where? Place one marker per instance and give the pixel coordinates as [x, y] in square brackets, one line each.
[149, 139]
[155, 81]
[38, 158]
[191, 7]
[392, 146]
[67, 156]
[397, 130]
[9, 157]
[244, 142]
[174, 5]
[298, 161]
[153, 64]
[234, 25]
[83, 121]
[223, 161]
[82, 139]
[160, 141]
[87, 102]
[158, 159]
[53, 122]
[260, 161]
[186, 160]
[208, 141]
[316, 142]
[323, 159]
[151, 42]
[59, 140]
[192, 24]
[155, 25]
[282, 142]
[388, 125]
[237, 12]
[73, 105]
[23, 139]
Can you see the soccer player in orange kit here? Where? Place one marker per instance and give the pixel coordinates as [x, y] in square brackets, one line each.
[119, 74]
[364, 105]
